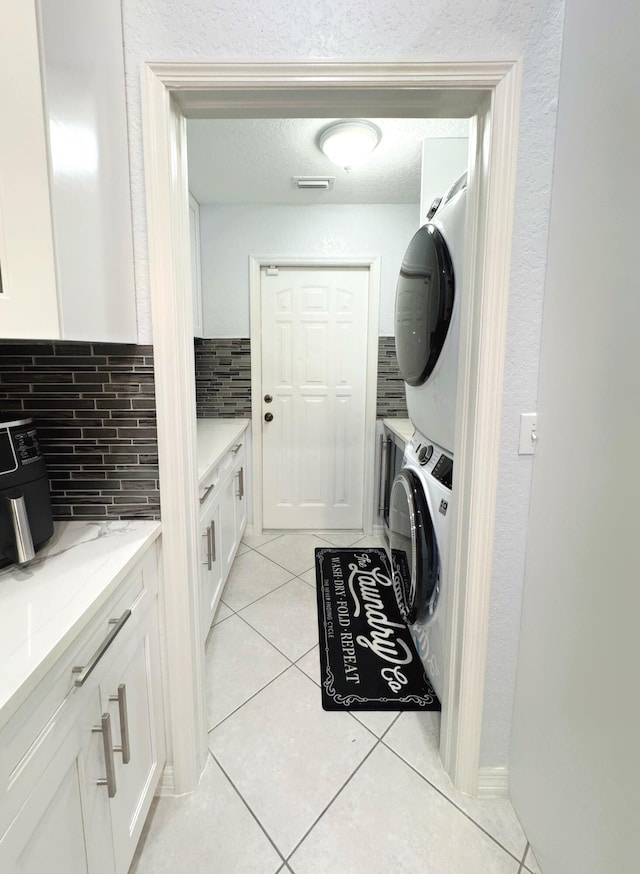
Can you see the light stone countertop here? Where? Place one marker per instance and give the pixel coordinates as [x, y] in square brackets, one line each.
[215, 437]
[45, 605]
[402, 428]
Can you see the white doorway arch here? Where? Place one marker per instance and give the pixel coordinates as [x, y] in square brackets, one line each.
[487, 93]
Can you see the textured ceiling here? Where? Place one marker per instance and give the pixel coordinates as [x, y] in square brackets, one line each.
[254, 160]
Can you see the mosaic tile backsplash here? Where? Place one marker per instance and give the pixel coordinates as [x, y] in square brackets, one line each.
[392, 401]
[223, 379]
[94, 408]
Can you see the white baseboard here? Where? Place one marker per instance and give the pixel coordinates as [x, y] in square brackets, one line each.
[166, 786]
[493, 782]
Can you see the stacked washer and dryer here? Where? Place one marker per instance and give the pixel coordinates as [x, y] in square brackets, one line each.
[427, 339]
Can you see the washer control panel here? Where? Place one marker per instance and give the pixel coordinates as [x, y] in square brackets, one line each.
[435, 461]
[424, 453]
[443, 470]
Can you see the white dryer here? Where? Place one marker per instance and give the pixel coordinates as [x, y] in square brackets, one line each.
[427, 327]
[419, 535]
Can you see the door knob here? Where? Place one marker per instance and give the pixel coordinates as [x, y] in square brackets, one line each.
[268, 417]
[268, 399]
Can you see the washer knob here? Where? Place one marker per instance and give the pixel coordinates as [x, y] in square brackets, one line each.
[425, 453]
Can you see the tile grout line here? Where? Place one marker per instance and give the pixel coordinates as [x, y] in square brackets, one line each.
[522, 867]
[250, 698]
[451, 801]
[251, 603]
[281, 565]
[289, 659]
[326, 808]
[242, 798]
[303, 655]
[296, 665]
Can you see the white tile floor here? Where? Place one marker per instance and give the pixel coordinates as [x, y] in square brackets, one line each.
[291, 788]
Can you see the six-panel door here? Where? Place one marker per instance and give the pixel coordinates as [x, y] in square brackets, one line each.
[314, 367]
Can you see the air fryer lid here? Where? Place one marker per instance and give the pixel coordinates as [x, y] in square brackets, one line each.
[20, 456]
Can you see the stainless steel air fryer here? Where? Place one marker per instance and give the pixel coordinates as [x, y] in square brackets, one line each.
[26, 522]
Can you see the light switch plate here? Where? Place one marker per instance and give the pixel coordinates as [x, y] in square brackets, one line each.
[528, 435]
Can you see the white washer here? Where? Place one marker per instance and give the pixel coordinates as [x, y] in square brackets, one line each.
[427, 327]
[419, 534]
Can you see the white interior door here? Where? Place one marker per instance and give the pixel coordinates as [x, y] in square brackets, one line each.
[314, 367]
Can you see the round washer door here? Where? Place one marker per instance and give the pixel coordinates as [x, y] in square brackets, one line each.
[424, 304]
[415, 562]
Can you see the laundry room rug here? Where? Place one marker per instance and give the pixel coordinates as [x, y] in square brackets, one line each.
[367, 658]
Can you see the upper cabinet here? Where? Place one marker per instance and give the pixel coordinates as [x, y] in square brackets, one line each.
[196, 269]
[66, 252]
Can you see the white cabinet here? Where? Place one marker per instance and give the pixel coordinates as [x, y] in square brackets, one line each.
[81, 758]
[196, 268]
[240, 496]
[228, 524]
[66, 252]
[63, 827]
[128, 694]
[211, 569]
[223, 519]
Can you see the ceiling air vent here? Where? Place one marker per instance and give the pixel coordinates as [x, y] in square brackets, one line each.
[314, 183]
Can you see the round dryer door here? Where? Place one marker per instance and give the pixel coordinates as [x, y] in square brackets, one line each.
[415, 561]
[424, 304]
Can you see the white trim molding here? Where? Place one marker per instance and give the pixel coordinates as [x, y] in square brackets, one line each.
[493, 783]
[489, 94]
[167, 194]
[372, 264]
[489, 220]
[166, 786]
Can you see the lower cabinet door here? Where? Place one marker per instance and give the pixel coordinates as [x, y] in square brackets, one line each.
[228, 524]
[64, 827]
[210, 568]
[131, 694]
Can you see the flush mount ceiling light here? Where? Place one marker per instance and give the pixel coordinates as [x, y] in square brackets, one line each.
[348, 143]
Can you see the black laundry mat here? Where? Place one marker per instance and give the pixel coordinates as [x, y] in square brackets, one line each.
[368, 660]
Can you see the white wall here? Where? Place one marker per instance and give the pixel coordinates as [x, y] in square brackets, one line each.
[229, 234]
[391, 31]
[575, 766]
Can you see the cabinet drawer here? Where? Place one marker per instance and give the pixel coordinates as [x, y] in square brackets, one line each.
[211, 486]
[231, 457]
[208, 485]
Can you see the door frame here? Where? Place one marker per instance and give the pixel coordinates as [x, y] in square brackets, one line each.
[372, 265]
[489, 94]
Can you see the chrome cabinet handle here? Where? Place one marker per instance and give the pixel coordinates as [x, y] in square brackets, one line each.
[212, 539]
[241, 483]
[207, 534]
[87, 669]
[207, 560]
[208, 489]
[382, 492]
[124, 747]
[236, 448]
[105, 729]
